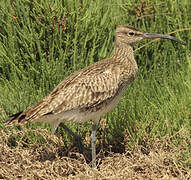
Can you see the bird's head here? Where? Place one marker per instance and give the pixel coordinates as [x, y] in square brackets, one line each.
[127, 35]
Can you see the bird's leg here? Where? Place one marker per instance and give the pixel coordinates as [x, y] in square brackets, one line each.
[93, 143]
[77, 137]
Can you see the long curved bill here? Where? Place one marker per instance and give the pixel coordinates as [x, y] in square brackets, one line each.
[153, 36]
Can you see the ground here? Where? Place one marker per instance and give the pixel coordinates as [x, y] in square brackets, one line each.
[52, 161]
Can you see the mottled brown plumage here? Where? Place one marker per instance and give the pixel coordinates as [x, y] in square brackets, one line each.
[93, 91]
[88, 91]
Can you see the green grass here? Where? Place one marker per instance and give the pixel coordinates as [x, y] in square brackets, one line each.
[42, 42]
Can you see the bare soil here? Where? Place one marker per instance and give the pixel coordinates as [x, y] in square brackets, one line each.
[52, 160]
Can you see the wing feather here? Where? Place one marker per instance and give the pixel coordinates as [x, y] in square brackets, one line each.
[83, 89]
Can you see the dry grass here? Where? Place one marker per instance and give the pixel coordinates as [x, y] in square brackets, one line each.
[51, 160]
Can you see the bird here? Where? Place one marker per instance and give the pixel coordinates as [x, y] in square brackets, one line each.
[95, 90]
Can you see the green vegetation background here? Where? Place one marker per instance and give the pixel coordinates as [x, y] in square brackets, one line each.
[42, 42]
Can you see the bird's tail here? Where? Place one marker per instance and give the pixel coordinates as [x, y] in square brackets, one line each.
[21, 117]
[29, 114]
[13, 118]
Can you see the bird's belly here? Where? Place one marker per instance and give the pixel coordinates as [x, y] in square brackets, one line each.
[93, 114]
[111, 105]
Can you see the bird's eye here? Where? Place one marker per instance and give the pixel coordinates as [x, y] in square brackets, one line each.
[131, 33]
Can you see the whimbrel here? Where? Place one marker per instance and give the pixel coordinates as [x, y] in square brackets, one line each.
[93, 91]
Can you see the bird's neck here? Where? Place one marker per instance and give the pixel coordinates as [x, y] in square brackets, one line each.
[124, 54]
[124, 57]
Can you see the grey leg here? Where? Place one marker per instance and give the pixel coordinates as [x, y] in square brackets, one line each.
[77, 138]
[93, 143]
